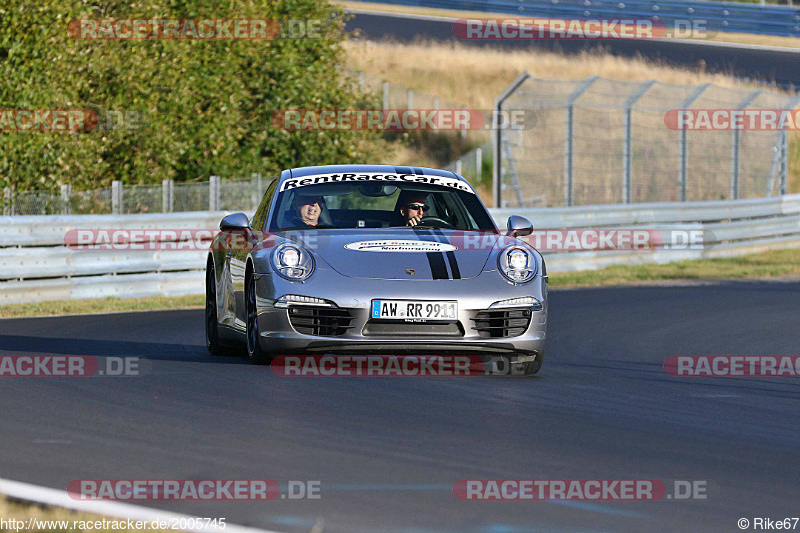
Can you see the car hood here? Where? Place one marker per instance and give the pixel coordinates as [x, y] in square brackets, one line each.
[399, 253]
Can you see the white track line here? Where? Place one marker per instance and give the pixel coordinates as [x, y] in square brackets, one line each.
[60, 498]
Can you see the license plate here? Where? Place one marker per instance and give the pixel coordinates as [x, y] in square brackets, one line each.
[414, 309]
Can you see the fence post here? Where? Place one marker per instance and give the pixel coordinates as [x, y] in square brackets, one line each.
[735, 146]
[167, 196]
[8, 201]
[463, 123]
[259, 191]
[497, 137]
[213, 193]
[627, 150]
[385, 95]
[458, 166]
[569, 155]
[784, 149]
[116, 197]
[66, 192]
[783, 146]
[684, 146]
[478, 163]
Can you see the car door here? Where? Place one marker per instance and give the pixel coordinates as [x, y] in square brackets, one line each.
[237, 257]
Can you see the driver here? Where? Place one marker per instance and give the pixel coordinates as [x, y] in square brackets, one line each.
[413, 207]
[305, 210]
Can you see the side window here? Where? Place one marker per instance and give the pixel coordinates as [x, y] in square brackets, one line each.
[259, 218]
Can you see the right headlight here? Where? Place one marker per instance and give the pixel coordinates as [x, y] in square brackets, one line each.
[292, 262]
[517, 264]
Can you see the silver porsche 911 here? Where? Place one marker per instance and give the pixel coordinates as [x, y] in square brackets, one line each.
[376, 259]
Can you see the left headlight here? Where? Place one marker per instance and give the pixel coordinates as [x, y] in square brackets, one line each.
[517, 264]
[292, 262]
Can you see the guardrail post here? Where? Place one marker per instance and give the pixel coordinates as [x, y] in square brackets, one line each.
[167, 196]
[213, 193]
[361, 81]
[684, 146]
[385, 95]
[116, 197]
[410, 99]
[735, 144]
[66, 192]
[458, 166]
[497, 137]
[627, 150]
[569, 155]
[478, 163]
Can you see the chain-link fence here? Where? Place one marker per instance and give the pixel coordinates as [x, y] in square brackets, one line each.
[601, 141]
[215, 194]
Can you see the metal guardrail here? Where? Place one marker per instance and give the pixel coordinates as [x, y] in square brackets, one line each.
[723, 16]
[36, 265]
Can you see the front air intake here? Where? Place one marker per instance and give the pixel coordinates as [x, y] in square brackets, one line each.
[495, 323]
[320, 321]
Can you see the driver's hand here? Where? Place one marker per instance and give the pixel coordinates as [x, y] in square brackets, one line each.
[413, 221]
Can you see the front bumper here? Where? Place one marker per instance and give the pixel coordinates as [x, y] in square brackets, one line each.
[278, 336]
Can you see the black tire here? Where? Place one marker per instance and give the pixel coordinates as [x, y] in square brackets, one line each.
[255, 353]
[212, 327]
[526, 369]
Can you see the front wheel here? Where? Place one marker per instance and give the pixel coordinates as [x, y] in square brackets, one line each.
[255, 353]
[526, 369]
[212, 327]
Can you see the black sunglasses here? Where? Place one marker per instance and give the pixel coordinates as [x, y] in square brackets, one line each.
[418, 206]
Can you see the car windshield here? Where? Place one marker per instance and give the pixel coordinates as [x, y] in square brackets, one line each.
[379, 204]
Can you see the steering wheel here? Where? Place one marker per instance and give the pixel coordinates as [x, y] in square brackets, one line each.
[441, 223]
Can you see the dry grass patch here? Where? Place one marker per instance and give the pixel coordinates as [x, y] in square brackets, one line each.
[475, 76]
[775, 264]
[101, 305]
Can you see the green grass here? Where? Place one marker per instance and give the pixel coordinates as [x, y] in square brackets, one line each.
[772, 264]
[101, 305]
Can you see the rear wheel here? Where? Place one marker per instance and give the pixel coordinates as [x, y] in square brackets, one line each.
[212, 327]
[255, 353]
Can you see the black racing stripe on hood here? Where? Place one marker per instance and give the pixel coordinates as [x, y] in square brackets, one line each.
[435, 259]
[451, 256]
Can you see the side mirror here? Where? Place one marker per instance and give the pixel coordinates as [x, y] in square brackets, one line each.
[235, 221]
[519, 226]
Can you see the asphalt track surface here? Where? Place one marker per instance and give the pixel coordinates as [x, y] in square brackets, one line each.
[778, 64]
[388, 450]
